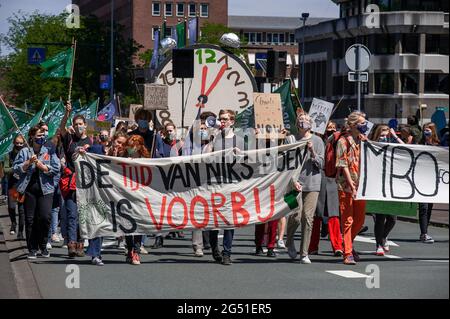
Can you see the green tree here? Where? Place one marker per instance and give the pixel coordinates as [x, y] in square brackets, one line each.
[92, 58]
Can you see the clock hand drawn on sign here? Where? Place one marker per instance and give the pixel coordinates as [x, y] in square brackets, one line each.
[221, 81]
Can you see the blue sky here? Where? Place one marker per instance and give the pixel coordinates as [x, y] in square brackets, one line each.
[287, 8]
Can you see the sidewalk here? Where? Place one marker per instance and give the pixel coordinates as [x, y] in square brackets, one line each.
[7, 283]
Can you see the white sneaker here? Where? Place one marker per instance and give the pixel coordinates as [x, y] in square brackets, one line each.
[305, 260]
[97, 261]
[48, 246]
[380, 251]
[281, 244]
[199, 253]
[64, 246]
[143, 250]
[292, 251]
[55, 238]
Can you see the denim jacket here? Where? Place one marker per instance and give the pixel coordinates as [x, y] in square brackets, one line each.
[47, 180]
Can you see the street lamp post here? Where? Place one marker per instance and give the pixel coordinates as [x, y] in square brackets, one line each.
[111, 89]
[305, 16]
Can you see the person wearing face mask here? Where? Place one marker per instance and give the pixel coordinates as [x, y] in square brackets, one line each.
[102, 146]
[74, 144]
[135, 148]
[430, 138]
[327, 207]
[153, 141]
[36, 168]
[352, 211]
[384, 223]
[307, 181]
[13, 204]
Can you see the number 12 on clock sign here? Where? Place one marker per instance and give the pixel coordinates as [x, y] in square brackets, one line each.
[206, 56]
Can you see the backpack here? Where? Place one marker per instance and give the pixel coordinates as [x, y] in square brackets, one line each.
[67, 182]
[330, 153]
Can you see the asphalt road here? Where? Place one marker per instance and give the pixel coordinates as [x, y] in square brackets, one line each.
[414, 270]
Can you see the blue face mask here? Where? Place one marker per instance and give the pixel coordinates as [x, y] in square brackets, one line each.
[427, 133]
[383, 139]
[143, 124]
[363, 128]
[203, 135]
[40, 140]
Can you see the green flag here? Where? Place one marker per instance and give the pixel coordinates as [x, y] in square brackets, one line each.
[60, 66]
[181, 34]
[246, 119]
[20, 116]
[163, 30]
[8, 131]
[53, 116]
[88, 111]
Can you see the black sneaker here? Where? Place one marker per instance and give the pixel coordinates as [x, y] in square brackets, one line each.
[226, 260]
[32, 255]
[216, 255]
[271, 253]
[363, 230]
[12, 230]
[20, 236]
[159, 242]
[259, 251]
[45, 253]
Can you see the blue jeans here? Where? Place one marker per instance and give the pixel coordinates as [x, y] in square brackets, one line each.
[72, 218]
[55, 211]
[228, 235]
[95, 247]
[63, 216]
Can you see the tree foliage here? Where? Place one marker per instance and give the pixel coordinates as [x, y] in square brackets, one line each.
[92, 58]
[211, 34]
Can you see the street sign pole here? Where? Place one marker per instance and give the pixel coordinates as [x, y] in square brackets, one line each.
[357, 59]
[358, 74]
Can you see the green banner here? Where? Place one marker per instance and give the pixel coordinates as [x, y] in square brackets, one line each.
[20, 116]
[392, 208]
[181, 35]
[59, 66]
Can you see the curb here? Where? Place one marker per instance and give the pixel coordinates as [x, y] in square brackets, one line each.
[416, 221]
[23, 274]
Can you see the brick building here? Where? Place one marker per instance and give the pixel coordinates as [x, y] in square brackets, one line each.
[142, 17]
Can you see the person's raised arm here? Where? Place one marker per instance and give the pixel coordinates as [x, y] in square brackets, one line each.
[62, 126]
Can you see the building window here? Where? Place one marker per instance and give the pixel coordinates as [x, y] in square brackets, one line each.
[192, 10]
[253, 37]
[154, 29]
[383, 44]
[168, 10]
[204, 10]
[156, 9]
[180, 9]
[436, 83]
[437, 44]
[384, 83]
[169, 31]
[410, 43]
[410, 83]
[292, 38]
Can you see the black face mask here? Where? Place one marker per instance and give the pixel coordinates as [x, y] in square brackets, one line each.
[331, 132]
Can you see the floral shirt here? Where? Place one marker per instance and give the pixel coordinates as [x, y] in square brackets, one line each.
[349, 158]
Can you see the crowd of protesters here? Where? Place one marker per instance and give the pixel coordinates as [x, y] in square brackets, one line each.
[42, 196]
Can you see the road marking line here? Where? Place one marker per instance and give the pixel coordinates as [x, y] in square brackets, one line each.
[350, 274]
[434, 261]
[371, 240]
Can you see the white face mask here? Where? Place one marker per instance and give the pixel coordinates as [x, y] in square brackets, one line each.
[304, 124]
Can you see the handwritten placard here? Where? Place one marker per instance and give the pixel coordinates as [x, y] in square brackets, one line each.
[268, 115]
[133, 109]
[156, 97]
[320, 113]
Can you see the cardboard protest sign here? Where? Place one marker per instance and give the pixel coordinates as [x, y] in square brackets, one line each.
[120, 196]
[133, 109]
[268, 115]
[404, 173]
[156, 97]
[320, 113]
[94, 127]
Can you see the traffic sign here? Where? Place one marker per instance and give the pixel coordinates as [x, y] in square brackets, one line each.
[36, 55]
[358, 76]
[358, 58]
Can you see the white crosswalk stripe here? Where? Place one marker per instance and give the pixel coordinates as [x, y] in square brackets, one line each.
[350, 274]
[371, 240]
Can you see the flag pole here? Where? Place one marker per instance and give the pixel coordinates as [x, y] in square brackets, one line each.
[119, 106]
[74, 46]
[96, 107]
[14, 121]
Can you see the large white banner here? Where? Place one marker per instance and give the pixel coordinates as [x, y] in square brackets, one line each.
[225, 189]
[404, 173]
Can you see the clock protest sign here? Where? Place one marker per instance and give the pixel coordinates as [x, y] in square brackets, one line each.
[268, 115]
[221, 81]
[320, 113]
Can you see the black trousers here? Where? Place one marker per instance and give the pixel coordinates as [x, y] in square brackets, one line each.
[12, 207]
[383, 226]
[424, 217]
[134, 243]
[38, 213]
